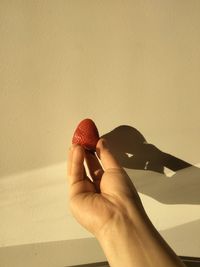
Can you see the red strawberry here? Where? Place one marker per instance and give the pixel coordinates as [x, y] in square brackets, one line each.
[86, 135]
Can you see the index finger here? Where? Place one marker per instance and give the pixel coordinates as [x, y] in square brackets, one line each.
[75, 167]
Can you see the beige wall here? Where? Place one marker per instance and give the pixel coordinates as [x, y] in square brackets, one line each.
[118, 62]
[134, 62]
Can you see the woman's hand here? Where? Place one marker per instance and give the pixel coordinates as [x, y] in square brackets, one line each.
[108, 206]
[109, 197]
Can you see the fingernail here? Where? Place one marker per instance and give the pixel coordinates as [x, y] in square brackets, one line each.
[104, 143]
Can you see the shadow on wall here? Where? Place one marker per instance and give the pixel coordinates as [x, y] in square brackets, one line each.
[147, 167]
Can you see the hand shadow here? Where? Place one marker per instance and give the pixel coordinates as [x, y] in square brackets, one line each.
[147, 167]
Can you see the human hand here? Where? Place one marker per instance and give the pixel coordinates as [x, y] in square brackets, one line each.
[108, 198]
[110, 208]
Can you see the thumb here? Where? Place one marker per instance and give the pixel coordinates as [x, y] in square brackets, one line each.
[117, 180]
[107, 158]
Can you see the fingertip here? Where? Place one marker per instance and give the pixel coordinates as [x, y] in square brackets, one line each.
[101, 144]
[106, 156]
[76, 148]
[71, 150]
[77, 151]
[73, 146]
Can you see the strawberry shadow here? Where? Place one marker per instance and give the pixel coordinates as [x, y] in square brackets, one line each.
[162, 176]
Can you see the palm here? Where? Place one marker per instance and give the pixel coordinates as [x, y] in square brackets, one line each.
[93, 210]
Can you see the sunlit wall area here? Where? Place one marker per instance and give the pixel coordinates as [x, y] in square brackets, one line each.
[132, 63]
[129, 62]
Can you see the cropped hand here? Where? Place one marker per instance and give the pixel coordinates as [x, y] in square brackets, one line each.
[107, 205]
[104, 198]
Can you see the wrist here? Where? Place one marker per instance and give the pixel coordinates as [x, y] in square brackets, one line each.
[135, 242]
[120, 241]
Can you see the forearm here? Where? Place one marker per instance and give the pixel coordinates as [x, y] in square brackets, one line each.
[137, 244]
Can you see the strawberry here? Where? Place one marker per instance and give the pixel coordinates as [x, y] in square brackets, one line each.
[86, 135]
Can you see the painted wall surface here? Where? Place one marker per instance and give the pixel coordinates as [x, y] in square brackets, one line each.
[132, 63]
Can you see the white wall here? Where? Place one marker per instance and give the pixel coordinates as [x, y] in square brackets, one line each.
[118, 62]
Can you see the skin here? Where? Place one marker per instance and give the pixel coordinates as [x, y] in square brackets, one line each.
[108, 205]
